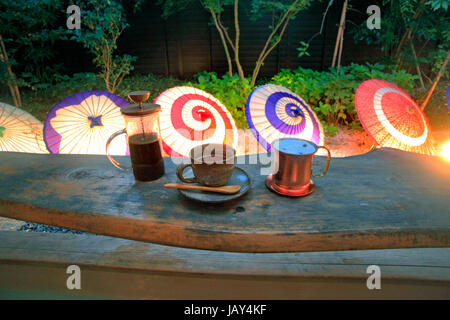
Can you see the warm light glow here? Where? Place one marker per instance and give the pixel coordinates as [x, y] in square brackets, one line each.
[445, 151]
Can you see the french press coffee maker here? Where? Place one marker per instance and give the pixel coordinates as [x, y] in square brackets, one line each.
[144, 143]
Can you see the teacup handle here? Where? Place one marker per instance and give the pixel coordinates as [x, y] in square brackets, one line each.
[180, 176]
[324, 172]
[110, 139]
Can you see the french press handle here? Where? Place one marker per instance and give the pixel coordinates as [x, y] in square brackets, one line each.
[110, 158]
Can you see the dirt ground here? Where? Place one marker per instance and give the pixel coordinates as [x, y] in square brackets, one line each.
[349, 142]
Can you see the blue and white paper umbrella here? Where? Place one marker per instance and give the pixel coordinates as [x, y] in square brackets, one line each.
[275, 112]
[20, 131]
[83, 122]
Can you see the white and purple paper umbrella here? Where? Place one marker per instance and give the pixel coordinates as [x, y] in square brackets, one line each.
[83, 122]
[20, 131]
[275, 112]
[190, 117]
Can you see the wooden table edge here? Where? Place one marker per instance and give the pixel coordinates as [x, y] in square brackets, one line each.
[197, 238]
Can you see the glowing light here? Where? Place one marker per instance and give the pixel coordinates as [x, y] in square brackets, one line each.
[445, 151]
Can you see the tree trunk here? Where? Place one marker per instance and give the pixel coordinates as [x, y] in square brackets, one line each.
[13, 88]
[265, 53]
[236, 42]
[407, 34]
[224, 43]
[340, 32]
[416, 62]
[284, 21]
[340, 51]
[444, 65]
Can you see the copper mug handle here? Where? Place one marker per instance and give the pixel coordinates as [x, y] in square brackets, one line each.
[324, 172]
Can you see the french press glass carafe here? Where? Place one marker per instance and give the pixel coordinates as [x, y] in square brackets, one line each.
[144, 143]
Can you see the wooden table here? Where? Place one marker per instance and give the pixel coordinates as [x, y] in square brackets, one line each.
[381, 200]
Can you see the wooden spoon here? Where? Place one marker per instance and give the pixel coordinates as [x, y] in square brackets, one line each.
[224, 189]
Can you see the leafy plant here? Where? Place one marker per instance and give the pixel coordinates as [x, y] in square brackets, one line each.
[303, 49]
[331, 94]
[414, 35]
[330, 129]
[39, 101]
[150, 82]
[102, 24]
[281, 11]
[28, 30]
[231, 91]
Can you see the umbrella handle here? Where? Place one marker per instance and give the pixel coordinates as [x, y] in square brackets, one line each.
[324, 172]
[114, 162]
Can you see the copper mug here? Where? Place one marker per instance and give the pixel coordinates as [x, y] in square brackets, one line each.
[292, 168]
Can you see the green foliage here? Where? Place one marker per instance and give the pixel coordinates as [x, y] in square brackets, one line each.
[170, 7]
[277, 9]
[281, 12]
[437, 108]
[39, 101]
[102, 24]
[438, 4]
[331, 94]
[154, 84]
[303, 49]
[430, 33]
[231, 91]
[29, 29]
[330, 129]
[436, 58]
[43, 96]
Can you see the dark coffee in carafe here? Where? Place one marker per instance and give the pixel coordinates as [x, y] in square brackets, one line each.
[146, 156]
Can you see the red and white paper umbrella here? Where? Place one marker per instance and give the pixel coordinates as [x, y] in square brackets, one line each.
[190, 117]
[392, 118]
[20, 131]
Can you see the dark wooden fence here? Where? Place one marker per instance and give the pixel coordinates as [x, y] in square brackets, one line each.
[187, 42]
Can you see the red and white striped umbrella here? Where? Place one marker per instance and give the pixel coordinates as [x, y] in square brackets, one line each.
[190, 117]
[392, 118]
[20, 131]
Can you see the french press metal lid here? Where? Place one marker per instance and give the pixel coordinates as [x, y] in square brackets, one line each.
[140, 108]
